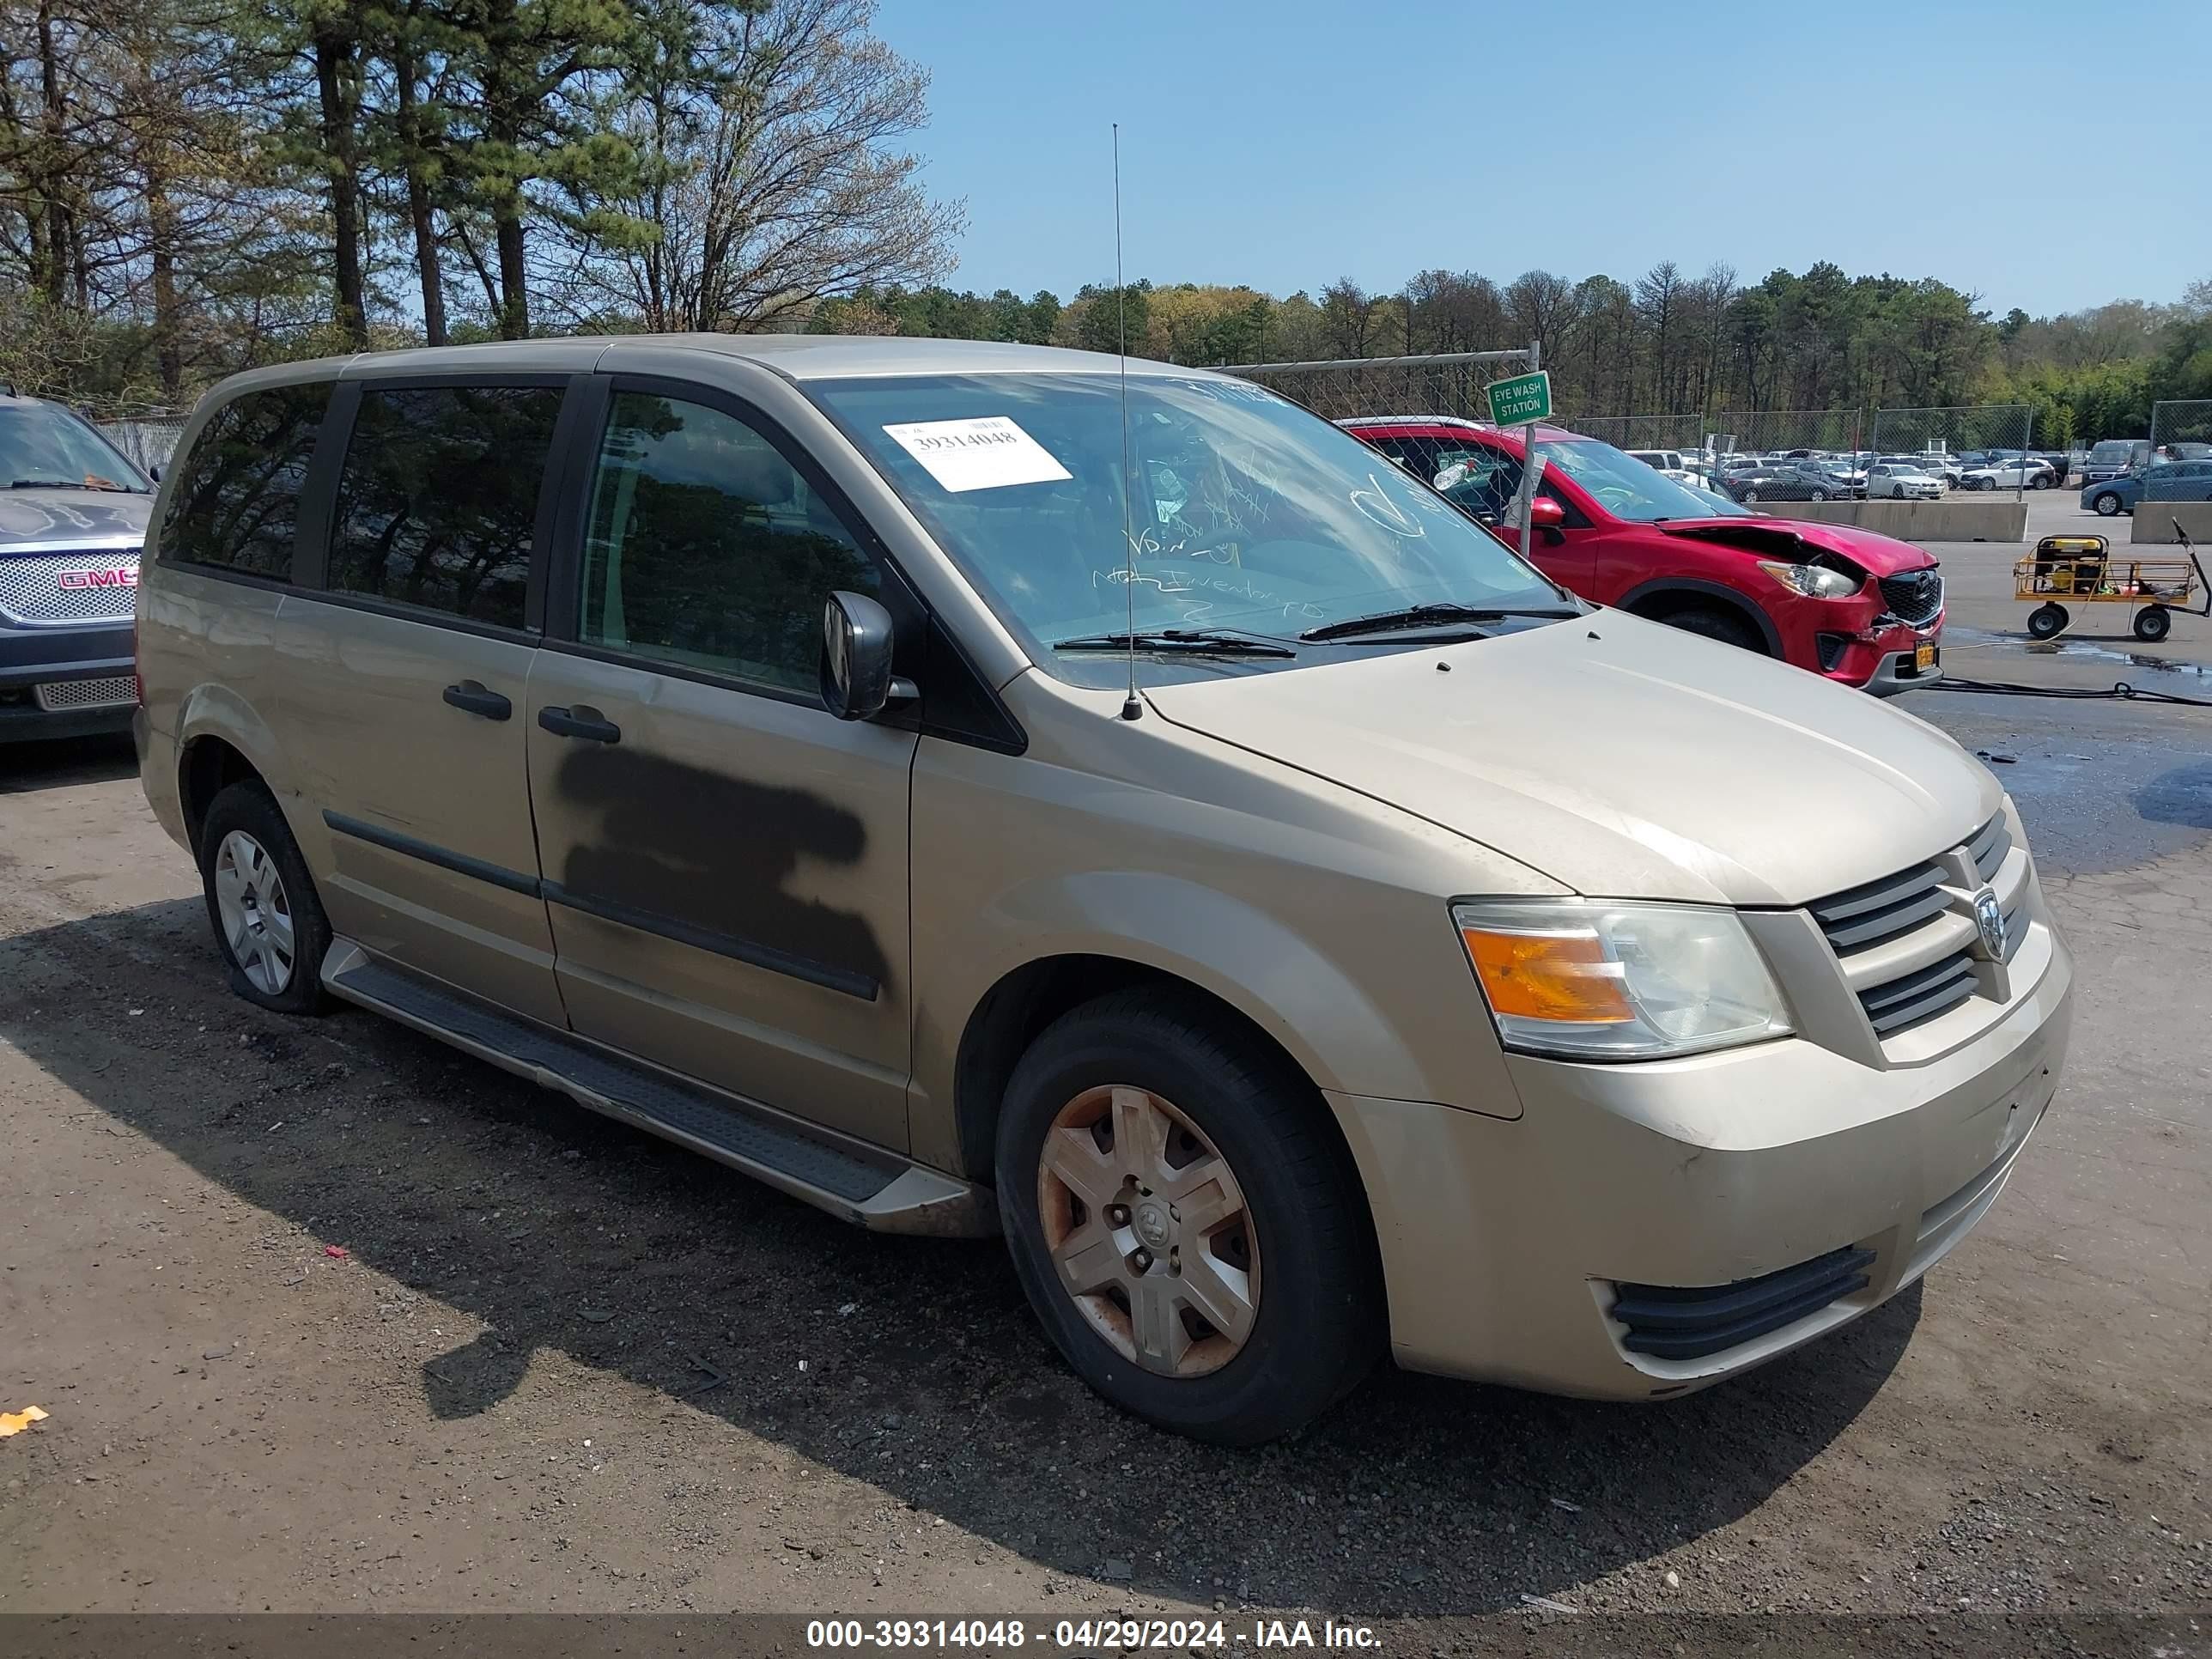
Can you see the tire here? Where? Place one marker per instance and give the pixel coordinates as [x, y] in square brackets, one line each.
[1985, 484]
[2041, 481]
[1818, 496]
[2046, 621]
[1714, 624]
[2153, 623]
[1749, 496]
[251, 873]
[2106, 504]
[1315, 1317]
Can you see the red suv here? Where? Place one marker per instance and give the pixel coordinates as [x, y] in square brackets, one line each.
[1852, 606]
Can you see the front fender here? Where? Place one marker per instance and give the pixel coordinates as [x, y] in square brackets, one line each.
[1269, 972]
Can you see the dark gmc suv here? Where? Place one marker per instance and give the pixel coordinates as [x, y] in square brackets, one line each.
[73, 514]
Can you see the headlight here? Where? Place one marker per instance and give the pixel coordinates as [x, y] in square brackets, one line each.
[1814, 581]
[1585, 979]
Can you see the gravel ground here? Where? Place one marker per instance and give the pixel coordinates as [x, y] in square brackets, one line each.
[332, 1319]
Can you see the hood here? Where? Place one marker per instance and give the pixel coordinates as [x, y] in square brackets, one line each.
[30, 519]
[1622, 758]
[1798, 540]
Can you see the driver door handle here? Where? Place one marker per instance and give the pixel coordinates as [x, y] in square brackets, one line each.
[581, 721]
[476, 698]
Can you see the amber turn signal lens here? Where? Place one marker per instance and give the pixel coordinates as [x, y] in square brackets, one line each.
[1555, 976]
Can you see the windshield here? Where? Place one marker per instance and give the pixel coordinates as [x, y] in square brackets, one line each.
[1624, 486]
[42, 445]
[1244, 512]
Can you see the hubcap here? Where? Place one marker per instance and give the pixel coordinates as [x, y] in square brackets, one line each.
[255, 911]
[1148, 1231]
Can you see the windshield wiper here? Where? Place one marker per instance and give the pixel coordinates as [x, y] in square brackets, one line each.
[1175, 639]
[1420, 616]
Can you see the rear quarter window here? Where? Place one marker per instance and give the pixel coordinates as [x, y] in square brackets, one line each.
[236, 504]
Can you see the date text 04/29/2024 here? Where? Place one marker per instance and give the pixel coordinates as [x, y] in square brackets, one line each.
[1086, 1635]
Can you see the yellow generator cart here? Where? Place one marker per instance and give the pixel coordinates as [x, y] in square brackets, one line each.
[2069, 570]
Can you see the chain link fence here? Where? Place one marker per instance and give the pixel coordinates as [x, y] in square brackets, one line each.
[1681, 433]
[2181, 429]
[1449, 383]
[1978, 446]
[147, 440]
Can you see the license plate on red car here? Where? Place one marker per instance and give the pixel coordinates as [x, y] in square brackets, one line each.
[1923, 658]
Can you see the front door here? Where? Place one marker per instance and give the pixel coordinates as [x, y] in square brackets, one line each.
[725, 862]
[407, 697]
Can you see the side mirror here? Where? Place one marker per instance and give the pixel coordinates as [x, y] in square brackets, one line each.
[856, 656]
[154, 473]
[1545, 514]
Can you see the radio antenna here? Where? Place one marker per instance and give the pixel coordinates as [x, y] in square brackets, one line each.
[1131, 707]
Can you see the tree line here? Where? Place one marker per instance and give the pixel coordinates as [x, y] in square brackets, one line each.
[191, 186]
[1662, 343]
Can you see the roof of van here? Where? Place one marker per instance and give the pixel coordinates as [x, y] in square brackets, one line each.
[801, 356]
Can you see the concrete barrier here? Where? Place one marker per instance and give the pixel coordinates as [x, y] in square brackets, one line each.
[1952, 519]
[2153, 523]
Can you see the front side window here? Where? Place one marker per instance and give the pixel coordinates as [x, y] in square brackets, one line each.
[706, 549]
[236, 504]
[1277, 521]
[438, 501]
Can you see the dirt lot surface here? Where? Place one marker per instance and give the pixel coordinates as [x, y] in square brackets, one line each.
[329, 1318]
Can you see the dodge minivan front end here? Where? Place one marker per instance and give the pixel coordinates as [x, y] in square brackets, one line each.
[1652, 1223]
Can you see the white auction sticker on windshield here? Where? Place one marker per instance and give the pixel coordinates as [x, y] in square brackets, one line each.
[987, 452]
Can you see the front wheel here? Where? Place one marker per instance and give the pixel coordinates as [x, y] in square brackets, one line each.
[2046, 621]
[1750, 496]
[1185, 1221]
[1985, 484]
[2106, 504]
[2153, 623]
[268, 920]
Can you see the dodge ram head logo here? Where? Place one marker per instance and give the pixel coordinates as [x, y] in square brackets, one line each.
[73, 579]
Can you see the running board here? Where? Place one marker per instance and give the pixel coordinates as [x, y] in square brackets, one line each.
[850, 1179]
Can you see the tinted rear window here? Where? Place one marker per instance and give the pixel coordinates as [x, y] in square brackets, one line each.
[236, 501]
[438, 499]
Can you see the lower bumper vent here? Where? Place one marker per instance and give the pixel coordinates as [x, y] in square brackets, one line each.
[1670, 1322]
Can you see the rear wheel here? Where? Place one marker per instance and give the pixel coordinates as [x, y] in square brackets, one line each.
[2153, 623]
[1714, 624]
[1750, 496]
[1819, 496]
[2041, 481]
[2106, 504]
[2045, 620]
[1185, 1223]
[269, 923]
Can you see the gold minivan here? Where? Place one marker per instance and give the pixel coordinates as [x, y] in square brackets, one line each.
[972, 791]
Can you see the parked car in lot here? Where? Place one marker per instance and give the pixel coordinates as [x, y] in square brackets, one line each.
[2114, 458]
[1856, 607]
[1902, 481]
[2018, 472]
[2167, 481]
[748, 736]
[1792, 481]
[1668, 461]
[72, 517]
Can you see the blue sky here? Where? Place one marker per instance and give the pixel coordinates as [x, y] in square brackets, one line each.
[1285, 143]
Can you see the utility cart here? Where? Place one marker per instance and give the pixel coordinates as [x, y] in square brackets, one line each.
[2069, 570]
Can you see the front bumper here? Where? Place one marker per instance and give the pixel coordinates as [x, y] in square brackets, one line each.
[33, 657]
[1503, 1242]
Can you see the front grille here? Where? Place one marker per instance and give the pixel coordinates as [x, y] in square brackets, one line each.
[111, 693]
[1931, 968]
[1670, 1322]
[69, 587]
[1916, 597]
